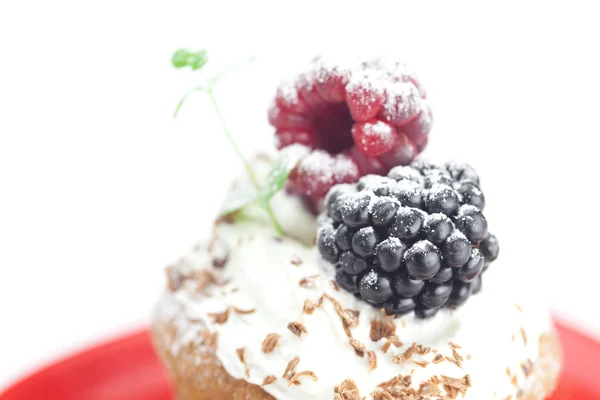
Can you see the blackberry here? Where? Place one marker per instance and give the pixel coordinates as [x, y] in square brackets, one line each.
[352, 264]
[423, 260]
[472, 268]
[408, 223]
[400, 306]
[437, 227]
[346, 281]
[460, 293]
[364, 241]
[490, 249]
[375, 287]
[389, 254]
[435, 295]
[413, 241]
[343, 238]
[471, 222]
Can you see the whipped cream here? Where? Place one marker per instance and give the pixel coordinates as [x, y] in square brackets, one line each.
[497, 330]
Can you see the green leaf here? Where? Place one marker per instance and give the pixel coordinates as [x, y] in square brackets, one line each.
[185, 58]
[280, 172]
[238, 199]
[185, 96]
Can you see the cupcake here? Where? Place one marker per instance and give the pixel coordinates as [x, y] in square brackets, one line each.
[385, 287]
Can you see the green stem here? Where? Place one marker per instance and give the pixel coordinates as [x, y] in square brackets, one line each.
[239, 153]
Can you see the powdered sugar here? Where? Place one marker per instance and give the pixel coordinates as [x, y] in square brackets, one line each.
[326, 168]
[379, 131]
[402, 103]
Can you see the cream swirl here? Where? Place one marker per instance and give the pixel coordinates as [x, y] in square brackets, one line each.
[497, 330]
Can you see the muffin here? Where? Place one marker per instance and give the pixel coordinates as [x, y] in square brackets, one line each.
[385, 287]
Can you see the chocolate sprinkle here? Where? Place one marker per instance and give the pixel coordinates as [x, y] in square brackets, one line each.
[382, 328]
[295, 379]
[359, 348]
[270, 342]
[297, 328]
[347, 390]
[372, 360]
[241, 352]
[297, 261]
[268, 380]
[174, 278]
[289, 370]
[308, 281]
[524, 335]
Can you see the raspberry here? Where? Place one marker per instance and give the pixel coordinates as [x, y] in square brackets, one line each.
[413, 240]
[373, 113]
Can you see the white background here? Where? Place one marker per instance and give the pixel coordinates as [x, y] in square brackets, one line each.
[100, 188]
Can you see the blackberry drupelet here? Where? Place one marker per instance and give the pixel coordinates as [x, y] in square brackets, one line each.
[415, 240]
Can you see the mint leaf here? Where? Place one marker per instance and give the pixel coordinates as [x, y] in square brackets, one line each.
[238, 199]
[185, 58]
[280, 172]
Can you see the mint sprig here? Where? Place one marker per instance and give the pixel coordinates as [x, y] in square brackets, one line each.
[279, 173]
[197, 61]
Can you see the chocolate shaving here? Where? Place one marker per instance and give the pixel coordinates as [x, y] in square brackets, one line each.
[429, 389]
[219, 262]
[421, 364]
[514, 381]
[372, 360]
[399, 359]
[518, 307]
[468, 381]
[297, 261]
[385, 395]
[438, 358]
[460, 384]
[270, 342]
[349, 317]
[435, 380]
[308, 281]
[382, 328]
[454, 345]
[527, 367]
[310, 307]
[396, 341]
[289, 370]
[220, 318]
[396, 381]
[174, 278]
[205, 278]
[243, 312]
[209, 339]
[508, 373]
[423, 350]
[347, 390]
[297, 328]
[295, 379]
[335, 286]
[241, 352]
[524, 335]
[456, 358]
[268, 380]
[386, 346]
[359, 348]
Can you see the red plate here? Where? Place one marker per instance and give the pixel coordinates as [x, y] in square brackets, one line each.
[127, 368]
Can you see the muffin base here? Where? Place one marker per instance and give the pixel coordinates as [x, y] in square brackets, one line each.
[197, 373]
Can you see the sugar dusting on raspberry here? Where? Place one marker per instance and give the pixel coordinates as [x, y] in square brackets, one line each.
[402, 103]
[367, 114]
[379, 131]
